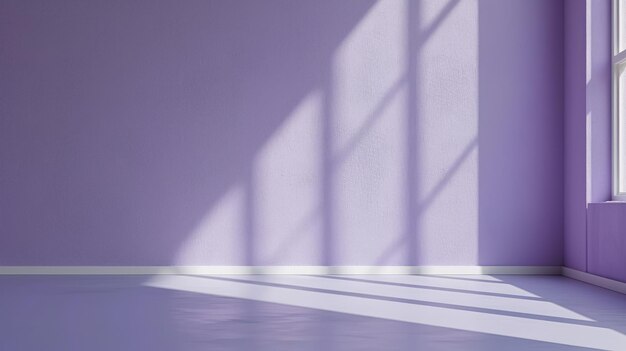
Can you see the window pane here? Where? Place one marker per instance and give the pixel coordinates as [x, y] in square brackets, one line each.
[620, 95]
[621, 25]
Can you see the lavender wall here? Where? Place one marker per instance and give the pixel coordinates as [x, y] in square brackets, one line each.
[607, 242]
[280, 132]
[587, 130]
[575, 197]
[521, 132]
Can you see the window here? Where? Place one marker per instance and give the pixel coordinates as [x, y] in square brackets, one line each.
[619, 100]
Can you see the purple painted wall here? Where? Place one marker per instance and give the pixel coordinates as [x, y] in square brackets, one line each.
[521, 132]
[279, 132]
[587, 131]
[575, 196]
[607, 240]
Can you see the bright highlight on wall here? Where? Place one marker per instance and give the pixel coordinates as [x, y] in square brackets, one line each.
[368, 165]
[378, 133]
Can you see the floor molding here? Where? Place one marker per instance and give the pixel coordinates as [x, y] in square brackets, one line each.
[595, 280]
[316, 270]
[234, 270]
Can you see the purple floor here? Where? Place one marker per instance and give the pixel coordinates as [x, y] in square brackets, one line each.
[308, 313]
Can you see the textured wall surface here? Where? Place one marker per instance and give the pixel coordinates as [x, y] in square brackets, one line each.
[521, 132]
[607, 242]
[280, 132]
[575, 199]
[587, 121]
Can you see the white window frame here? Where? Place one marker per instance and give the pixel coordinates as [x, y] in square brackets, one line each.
[618, 58]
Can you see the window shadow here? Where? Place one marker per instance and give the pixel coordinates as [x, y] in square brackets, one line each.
[424, 286]
[604, 306]
[264, 281]
[540, 329]
[118, 313]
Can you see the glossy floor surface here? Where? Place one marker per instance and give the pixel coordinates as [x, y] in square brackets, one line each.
[308, 313]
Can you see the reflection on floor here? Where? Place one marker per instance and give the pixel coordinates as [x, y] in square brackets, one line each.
[292, 312]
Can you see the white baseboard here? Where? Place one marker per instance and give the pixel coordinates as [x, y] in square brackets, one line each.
[234, 270]
[595, 280]
[315, 270]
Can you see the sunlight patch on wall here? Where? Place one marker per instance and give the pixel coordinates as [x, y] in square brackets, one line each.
[368, 64]
[447, 130]
[274, 218]
[369, 151]
[218, 237]
[288, 176]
